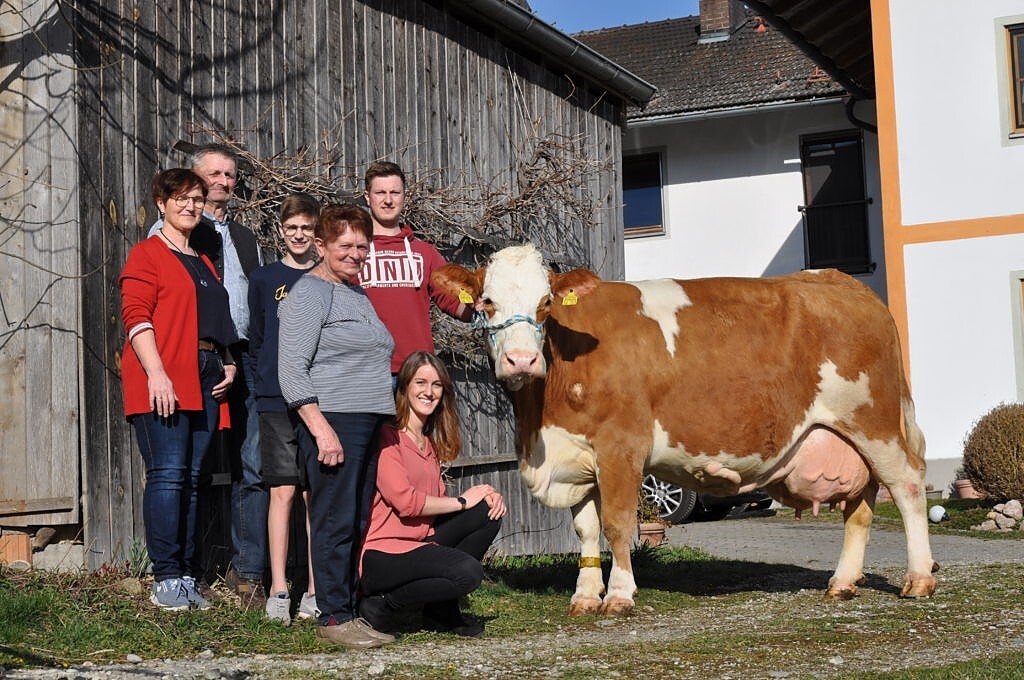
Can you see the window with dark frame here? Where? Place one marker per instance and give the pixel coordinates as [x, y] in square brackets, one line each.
[642, 195]
[835, 216]
[1015, 34]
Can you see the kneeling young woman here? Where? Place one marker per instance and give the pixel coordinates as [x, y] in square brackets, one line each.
[424, 547]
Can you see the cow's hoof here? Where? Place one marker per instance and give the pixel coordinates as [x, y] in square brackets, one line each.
[841, 593]
[917, 585]
[584, 606]
[617, 607]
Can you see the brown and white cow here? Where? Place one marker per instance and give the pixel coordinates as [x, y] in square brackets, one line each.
[794, 384]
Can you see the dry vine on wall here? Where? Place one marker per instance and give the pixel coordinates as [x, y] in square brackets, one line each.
[544, 200]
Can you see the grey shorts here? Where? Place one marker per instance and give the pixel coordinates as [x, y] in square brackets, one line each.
[281, 463]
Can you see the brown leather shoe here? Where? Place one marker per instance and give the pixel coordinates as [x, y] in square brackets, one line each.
[351, 635]
[374, 632]
[249, 591]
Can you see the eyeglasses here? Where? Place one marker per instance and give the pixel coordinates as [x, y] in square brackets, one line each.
[290, 229]
[184, 201]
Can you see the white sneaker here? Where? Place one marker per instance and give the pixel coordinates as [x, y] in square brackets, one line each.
[308, 608]
[279, 608]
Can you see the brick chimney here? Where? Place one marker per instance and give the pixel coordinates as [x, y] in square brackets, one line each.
[719, 19]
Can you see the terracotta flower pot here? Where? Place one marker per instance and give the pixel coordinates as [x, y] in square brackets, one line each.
[652, 534]
[965, 489]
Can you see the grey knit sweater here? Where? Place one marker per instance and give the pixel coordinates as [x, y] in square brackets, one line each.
[333, 349]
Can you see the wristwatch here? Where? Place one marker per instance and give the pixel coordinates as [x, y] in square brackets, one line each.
[462, 501]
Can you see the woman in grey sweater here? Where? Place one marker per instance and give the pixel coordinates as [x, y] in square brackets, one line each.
[334, 365]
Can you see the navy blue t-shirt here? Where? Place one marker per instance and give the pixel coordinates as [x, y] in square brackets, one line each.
[213, 314]
[268, 285]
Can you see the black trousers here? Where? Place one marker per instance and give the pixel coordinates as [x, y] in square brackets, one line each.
[436, 573]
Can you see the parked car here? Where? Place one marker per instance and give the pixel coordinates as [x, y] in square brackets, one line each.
[679, 504]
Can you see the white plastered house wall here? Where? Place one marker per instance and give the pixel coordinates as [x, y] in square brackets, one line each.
[958, 226]
[732, 184]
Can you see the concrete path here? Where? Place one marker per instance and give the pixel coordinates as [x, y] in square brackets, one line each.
[816, 545]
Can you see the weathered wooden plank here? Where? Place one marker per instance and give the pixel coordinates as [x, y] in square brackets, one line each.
[163, 18]
[471, 114]
[302, 37]
[380, 63]
[200, 65]
[376, 102]
[13, 341]
[434, 78]
[243, 84]
[37, 281]
[289, 85]
[409, 70]
[117, 157]
[355, 86]
[66, 320]
[262, 45]
[96, 377]
[316, 39]
[223, 77]
[36, 506]
[401, 121]
[451, 100]
[611, 195]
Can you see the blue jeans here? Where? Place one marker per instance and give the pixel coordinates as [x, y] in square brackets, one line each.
[339, 510]
[249, 497]
[173, 450]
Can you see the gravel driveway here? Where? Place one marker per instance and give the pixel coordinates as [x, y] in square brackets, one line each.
[817, 544]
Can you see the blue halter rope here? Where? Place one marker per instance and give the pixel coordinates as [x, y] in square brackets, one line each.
[492, 330]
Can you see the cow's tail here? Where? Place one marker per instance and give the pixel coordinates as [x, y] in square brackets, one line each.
[913, 433]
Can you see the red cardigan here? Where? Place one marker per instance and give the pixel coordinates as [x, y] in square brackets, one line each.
[156, 288]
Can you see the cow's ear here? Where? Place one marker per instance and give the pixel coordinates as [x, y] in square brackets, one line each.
[460, 283]
[571, 286]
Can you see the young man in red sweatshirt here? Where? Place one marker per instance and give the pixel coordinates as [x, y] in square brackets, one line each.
[396, 275]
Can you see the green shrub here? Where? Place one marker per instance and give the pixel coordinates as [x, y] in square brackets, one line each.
[994, 452]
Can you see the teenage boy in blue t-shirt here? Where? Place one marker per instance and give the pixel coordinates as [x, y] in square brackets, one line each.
[282, 471]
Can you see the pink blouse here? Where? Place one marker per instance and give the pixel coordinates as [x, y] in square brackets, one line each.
[405, 477]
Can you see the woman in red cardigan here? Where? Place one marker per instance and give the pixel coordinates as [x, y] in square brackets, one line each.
[423, 546]
[175, 374]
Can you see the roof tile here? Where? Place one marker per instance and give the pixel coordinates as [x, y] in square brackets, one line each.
[754, 66]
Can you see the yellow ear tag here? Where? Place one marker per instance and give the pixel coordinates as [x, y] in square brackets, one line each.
[570, 299]
[464, 297]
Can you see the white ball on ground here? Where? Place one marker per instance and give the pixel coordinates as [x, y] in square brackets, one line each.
[937, 513]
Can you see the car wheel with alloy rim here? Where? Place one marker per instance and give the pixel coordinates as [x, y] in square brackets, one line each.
[675, 504]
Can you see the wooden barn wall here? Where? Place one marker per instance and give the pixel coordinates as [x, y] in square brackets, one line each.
[403, 80]
[39, 270]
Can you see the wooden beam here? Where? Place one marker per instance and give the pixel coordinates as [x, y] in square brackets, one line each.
[36, 505]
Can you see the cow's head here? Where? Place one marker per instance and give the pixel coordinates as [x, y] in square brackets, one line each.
[513, 295]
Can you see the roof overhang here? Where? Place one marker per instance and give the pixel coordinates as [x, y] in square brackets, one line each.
[524, 27]
[766, 107]
[835, 34]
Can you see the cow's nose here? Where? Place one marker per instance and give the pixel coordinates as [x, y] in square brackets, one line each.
[521, 361]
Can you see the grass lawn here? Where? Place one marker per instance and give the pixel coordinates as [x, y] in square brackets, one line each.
[963, 513]
[696, 616]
